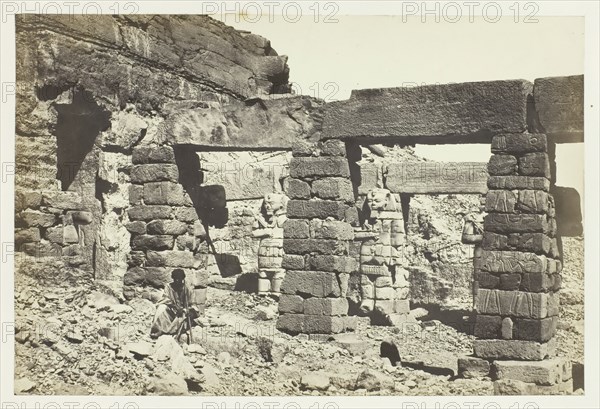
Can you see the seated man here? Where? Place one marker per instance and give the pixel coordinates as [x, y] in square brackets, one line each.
[173, 309]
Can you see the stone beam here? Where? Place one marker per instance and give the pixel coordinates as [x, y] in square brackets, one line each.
[437, 177]
[470, 111]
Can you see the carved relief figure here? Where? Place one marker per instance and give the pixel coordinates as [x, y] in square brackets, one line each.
[269, 228]
[384, 283]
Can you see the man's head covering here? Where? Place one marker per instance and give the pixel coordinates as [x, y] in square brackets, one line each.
[178, 274]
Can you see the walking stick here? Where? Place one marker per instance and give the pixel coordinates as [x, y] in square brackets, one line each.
[188, 318]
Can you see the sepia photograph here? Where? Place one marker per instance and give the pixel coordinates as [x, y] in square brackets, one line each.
[299, 200]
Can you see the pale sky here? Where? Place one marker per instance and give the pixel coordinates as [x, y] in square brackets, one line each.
[328, 60]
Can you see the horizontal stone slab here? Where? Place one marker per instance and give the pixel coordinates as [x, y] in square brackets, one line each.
[316, 246]
[472, 109]
[513, 303]
[514, 387]
[298, 189]
[311, 283]
[154, 173]
[152, 154]
[173, 227]
[290, 304]
[518, 182]
[165, 193]
[335, 264]
[311, 167]
[437, 177]
[150, 212]
[519, 143]
[326, 306]
[512, 262]
[334, 189]
[314, 324]
[34, 218]
[535, 330]
[149, 242]
[547, 372]
[321, 209]
[559, 107]
[171, 258]
[472, 367]
[516, 223]
[513, 349]
[331, 229]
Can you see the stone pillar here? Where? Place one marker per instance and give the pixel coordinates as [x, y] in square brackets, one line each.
[517, 303]
[316, 240]
[165, 229]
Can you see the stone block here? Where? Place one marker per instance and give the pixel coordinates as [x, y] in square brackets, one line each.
[468, 109]
[334, 264]
[494, 241]
[369, 177]
[63, 200]
[170, 258]
[70, 234]
[559, 104]
[291, 323]
[293, 262]
[322, 324]
[198, 297]
[54, 234]
[27, 200]
[510, 282]
[502, 165]
[333, 147]
[487, 280]
[154, 173]
[290, 304]
[150, 212]
[34, 218]
[547, 372]
[326, 306]
[311, 283]
[152, 154]
[197, 277]
[519, 143]
[539, 330]
[172, 227]
[311, 167]
[437, 177]
[149, 242]
[384, 293]
[186, 214]
[516, 223]
[296, 229]
[518, 182]
[317, 246]
[530, 242]
[41, 249]
[533, 201]
[513, 387]
[537, 282]
[512, 303]
[334, 189]
[29, 235]
[298, 189]
[161, 193]
[495, 261]
[513, 349]
[137, 227]
[401, 306]
[501, 201]
[488, 326]
[321, 209]
[472, 367]
[331, 229]
[534, 164]
[136, 195]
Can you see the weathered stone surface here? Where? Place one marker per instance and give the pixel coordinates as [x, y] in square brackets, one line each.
[547, 372]
[27, 200]
[513, 349]
[154, 173]
[507, 328]
[512, 262]
[534, 164]
[472, 367]
[298, 189]
[568, 211]
[539, 330]
[172, 227]
[315, 381]
[335, 264]
[332, 147]
[319, 167]
[334, 189]
[169, 193]
[313, 283]
[185, 214]
[296, 229]
[317, 246]
[291, 304]
[519, 143]
[501, 201]
[516, 223]
[533, 201]
[62, 200]
[469, 109]
[502, 165]
[487, 326]
[512, 303]
[487, 280]
[321, 209]
[152, 154]
[136, 194]
[322, 324]
[148, 242]
[331, 229]
[437, 177]
[32, 218]
[292, 262]
[531, 242]
[170, 258]
[538, 282]
[514, 387]
[41, 249]
[150, 212]
[326, 306]
[494, 241]
[29, 235]
[559, 107]
[369, 177]
[518, 182]
[510, 282]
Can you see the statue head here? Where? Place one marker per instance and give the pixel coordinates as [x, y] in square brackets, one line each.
[378, 199]
[274, 204]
